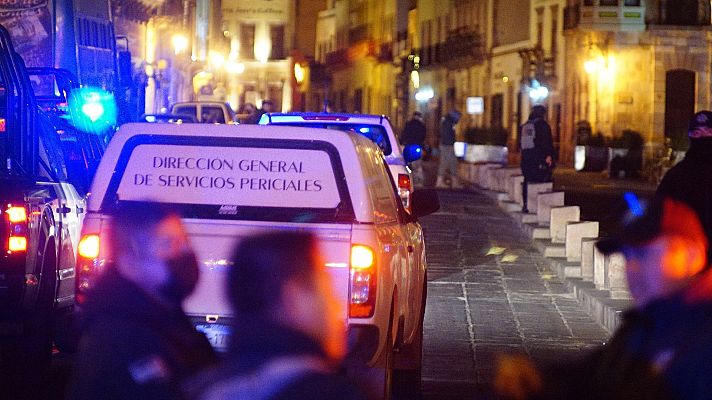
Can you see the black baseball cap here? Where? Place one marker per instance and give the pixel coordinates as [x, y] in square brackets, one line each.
[646, 222]
[700, 125]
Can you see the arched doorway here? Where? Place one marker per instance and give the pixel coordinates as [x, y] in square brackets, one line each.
[679, 104]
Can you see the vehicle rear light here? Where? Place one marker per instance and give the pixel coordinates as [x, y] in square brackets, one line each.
[89, 246]
[405, 187]
[363, 282]
[88, 251]
[16, 244]
[16, 217]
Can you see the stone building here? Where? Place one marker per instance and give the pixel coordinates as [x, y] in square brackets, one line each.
[635, 64]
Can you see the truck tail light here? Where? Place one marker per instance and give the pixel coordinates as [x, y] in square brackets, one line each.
[405, 187]
[88, 251]
[16, 217]
[362, 299]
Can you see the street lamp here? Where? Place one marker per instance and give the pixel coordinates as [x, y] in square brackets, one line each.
[180, 43]
[299, 73]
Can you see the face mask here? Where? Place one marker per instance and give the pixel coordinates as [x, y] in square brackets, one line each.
[182, 277]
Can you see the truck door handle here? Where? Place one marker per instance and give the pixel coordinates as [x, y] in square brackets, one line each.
[63, 209]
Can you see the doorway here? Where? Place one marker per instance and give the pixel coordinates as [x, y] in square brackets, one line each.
[679, 105]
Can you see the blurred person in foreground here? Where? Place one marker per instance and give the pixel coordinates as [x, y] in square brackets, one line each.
[137, 343]
[290, 335]
[690, 181]
[663, 348]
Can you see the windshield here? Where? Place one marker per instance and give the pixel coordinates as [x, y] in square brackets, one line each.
[232, 178]
[376, 133]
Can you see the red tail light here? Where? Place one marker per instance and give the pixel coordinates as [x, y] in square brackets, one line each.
[405, 187]
[362, 297]
[88, 257]
[16, 217]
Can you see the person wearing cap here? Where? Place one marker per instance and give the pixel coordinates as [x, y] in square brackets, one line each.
[414, 132]
[690, 181]
[537, 146]
[663, 348]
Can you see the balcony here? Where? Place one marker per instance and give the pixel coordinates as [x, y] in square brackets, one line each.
[460, 49]
[591, 15]
[358, 33]
[344, 57]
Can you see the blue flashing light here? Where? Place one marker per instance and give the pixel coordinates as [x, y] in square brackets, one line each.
[364, 130]
[634, 205]
[92, 110]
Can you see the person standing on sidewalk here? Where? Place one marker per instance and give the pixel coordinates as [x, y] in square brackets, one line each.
[663, 349]
[690, 181]
[414, 132]
[137, 343]
[537, 151]
[448, 160]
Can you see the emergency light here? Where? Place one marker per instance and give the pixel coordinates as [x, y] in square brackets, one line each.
[92, 110]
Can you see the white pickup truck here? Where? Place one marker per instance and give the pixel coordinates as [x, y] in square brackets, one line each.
[232, 181]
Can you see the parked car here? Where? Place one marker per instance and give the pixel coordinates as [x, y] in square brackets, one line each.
[206, 112]
[377, 128]
[232, 181]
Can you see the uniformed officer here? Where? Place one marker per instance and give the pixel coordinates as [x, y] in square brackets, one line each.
[537, 150]
[137, 343]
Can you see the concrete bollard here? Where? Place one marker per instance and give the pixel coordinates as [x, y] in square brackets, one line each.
[533, 190]
[502, 176]
[588, 248]
[575, 233]
[559, 218]
[599, 269]
[515, 189]
[482, 174]
[615, 279]
[464, 172]
[544, 203]
[490, 182]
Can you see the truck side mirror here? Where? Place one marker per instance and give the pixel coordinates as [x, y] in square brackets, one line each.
[412, 152]
[424, 202]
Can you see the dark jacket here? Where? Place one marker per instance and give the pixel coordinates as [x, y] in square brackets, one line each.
[134, 347]
[663, 351]
[413, 133]
[447, 129]
[690, 181]
[536, 144]
[258, 352]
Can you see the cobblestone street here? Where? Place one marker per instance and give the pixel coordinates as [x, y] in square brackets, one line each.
[490, 291]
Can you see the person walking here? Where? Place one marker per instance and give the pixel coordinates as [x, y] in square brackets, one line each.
[538, 158]
[414, 133]
[662, 349]
[289, 330]
[690, 181]
[137, 343]
[448, 160]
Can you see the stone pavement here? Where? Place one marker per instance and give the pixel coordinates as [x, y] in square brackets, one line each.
[490, 291]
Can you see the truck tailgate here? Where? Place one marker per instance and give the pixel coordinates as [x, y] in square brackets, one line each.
[214, 240]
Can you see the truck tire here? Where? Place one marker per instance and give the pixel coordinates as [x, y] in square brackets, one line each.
[407, 377]
[377, 382]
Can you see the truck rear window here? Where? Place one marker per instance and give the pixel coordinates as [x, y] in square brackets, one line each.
[234, 178]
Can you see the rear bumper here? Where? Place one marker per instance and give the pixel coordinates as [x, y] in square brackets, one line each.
[363, 341]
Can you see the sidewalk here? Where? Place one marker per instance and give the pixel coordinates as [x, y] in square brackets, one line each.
[490, 291]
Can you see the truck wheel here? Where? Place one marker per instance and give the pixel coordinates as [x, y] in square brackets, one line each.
[407, 377]
[377, 382]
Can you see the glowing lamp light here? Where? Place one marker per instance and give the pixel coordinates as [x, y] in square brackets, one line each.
[590, 66]
[235, 67]
[180, 43]
[415, 78]
[537, 92]
[299, 73]
[424, 95]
